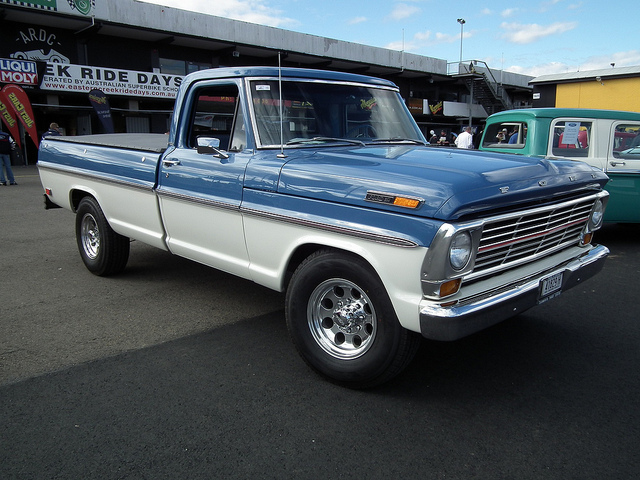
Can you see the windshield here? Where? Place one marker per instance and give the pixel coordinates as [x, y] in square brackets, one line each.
[315, 112]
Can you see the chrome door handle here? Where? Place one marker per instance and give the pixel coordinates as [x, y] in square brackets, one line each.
[170, 163]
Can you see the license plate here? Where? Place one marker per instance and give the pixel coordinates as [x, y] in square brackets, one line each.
[550, 286]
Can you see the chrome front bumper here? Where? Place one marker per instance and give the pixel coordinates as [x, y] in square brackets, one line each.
[439, 322]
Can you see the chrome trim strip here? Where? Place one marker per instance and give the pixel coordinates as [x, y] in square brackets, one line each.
[103, 178]
[623, 172]
[198, 200]
[387, 240]
[545, 208]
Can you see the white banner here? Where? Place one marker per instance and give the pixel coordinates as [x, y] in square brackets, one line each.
[82, 78]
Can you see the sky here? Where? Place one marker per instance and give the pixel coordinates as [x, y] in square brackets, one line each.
[534, 37]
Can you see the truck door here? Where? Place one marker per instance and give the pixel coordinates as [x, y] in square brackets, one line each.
[623, 169]
[200, 193]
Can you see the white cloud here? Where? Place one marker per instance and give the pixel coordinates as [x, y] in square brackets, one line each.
[621, 59]
[543, 69]
[253, 11]
[356, 20]
[421, 40]
[448, 38]
[399, 46]
[422, 36]
[509, 12]
[523, 34]
[402, 11]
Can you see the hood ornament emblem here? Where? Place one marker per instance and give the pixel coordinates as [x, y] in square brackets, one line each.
[504, 190]
[542, 183]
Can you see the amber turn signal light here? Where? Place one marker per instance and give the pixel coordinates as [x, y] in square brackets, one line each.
[450, 287]
[406, 202]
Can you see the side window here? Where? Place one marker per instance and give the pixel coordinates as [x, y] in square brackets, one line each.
[571, 138]
[213, 115]
[507, 135]
[239, 134]
[626, 141]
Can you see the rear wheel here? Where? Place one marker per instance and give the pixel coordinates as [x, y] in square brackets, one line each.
[103, 251]
[343, 324]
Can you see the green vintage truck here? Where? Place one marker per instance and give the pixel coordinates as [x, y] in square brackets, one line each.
[606, 139]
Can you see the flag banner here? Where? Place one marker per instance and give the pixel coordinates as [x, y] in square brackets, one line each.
[9, 119]
[18, 100]
[101, 105]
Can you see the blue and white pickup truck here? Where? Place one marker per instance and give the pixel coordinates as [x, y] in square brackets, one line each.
[320, 184]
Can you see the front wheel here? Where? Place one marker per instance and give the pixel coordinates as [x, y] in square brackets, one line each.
[103, 251]
[343, 324]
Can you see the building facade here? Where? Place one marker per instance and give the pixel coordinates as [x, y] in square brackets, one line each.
[606, 89]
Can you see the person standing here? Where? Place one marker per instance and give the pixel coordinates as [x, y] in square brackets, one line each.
[6, 145]
[465, 139]
[54, 130]
[443, 138]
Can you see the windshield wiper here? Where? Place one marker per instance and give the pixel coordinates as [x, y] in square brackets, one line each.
[397, 140]
[302, 141]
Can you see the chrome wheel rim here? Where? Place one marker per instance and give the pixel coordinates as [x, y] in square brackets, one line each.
[342, 319]
[90, 236]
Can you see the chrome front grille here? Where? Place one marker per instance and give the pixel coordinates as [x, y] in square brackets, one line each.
[511, 240]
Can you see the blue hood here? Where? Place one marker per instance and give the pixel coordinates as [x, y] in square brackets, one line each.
[452, 183]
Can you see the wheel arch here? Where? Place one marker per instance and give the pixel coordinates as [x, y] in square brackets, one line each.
[77, 194]
[305, 250]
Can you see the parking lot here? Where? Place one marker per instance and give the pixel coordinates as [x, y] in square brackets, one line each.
[174, 370]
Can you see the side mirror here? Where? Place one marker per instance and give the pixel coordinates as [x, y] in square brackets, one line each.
[210, 146]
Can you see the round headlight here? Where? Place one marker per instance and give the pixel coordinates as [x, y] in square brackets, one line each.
[460, 250]
[597, 214]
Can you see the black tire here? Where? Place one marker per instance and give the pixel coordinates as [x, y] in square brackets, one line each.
[343, 324]
[103, 251]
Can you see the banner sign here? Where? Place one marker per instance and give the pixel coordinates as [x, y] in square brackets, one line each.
[85, 8]
[9, 119]
[21, 72]
[19, 102]
[415, 106]
[436, 108]
[101, 105]
[82, 78]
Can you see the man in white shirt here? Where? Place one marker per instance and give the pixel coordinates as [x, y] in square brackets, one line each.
[465, 139]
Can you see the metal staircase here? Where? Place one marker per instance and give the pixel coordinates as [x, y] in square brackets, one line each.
[481, 84]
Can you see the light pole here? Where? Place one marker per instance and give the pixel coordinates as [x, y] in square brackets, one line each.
[461, 22]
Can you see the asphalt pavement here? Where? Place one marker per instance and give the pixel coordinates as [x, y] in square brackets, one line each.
[174, 370]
